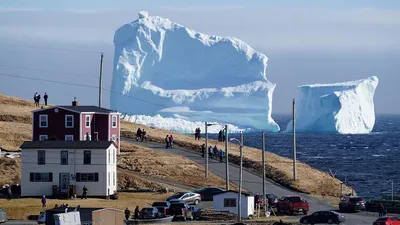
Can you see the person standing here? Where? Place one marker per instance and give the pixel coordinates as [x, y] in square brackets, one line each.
[210, 152]
[35, 98]
[85, 191]
[216, 151]
[223, 135]
[138, 134]
[381, 210]
[144, 135]
[38, 100]
[221, 155]
[137, 212]
[220, 136]
[203, 150]
[45, 97]
[127, 214]
[44, 201]
[9, 193]
[199, 134]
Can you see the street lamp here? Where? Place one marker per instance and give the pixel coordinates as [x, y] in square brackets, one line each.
[392, 187]
[240, 174]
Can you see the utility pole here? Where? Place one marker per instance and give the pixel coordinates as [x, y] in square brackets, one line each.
[240, 177]
[263, 166]
[392, 189]
[100, 79]
[206, 155]
[226, 158]
[294, 140]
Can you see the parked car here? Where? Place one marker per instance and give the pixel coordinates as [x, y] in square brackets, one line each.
[3, 216]
[271, 198]
[188, 197]
[42, 218]
[387, 220]
[293, 204]
[195, 212]
[181, 211]
[329, 217]
[207, 193]
[163, 207]
[149, 213]
[351, 204]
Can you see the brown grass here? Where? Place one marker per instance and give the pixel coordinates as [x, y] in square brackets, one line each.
[10, 171]
[279, 169]
[22, 208]
[149, 162]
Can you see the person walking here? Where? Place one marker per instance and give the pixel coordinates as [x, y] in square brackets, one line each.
[144, 135]
[137, 212]
[9, 193]
[45, 97]
[203, 150]
[85, 191]
[381, 210]
[221, 156]
[138, 134]
[167, 141]
[198, 133]
[44, 201]
[195, 133]
[35, 98]
[127, 214]
[220, 136]
[216, 151]
[223, 135]
[171, 140]
[210, 152]
[38, 100]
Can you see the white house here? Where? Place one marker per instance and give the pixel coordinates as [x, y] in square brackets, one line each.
[228, 201]
[68, 165]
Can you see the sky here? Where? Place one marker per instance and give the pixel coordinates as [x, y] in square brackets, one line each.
[306, 42]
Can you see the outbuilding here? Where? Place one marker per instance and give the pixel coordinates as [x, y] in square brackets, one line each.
[228, 201]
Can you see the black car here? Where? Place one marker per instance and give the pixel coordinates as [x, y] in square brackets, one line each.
[352, 204]
[207, 193]
[163, 207]
[329, 217]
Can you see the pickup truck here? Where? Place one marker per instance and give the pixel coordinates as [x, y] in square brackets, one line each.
[293, 204]
[181, 210]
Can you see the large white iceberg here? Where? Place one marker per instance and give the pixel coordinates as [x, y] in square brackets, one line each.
[346, 108]
[161, 67]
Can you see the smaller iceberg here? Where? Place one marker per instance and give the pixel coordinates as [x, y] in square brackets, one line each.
[345, 108]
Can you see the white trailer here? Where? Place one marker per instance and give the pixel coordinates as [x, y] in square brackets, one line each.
[69, 218]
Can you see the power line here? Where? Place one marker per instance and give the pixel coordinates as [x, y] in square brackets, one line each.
[49, 48]
[49, 71]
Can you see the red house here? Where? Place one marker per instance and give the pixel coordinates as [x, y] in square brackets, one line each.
[76, 123]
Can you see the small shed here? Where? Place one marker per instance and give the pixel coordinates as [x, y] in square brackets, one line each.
[228, 201]
[94, 216]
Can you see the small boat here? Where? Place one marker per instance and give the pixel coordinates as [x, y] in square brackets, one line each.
[143, 221]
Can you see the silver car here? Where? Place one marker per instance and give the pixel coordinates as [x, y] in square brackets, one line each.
[188, 197]
[3, 216]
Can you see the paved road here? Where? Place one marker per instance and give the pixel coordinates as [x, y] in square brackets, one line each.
[253, 183]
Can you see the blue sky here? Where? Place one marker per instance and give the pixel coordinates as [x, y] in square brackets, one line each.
[306, 41]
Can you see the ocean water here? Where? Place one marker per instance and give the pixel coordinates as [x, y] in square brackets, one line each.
[366, 162]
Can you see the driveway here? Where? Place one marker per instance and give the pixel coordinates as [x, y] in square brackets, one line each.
[253, 183]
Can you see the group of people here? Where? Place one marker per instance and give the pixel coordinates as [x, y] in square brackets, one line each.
[197, 134]
[128, 213]
[213, 152]
[169, 140]
[222, 135]
[141, 135]
[36, 98]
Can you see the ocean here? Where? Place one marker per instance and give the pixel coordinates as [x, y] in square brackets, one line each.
[366, 162]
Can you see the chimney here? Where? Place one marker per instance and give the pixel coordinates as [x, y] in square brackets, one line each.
[74, 103]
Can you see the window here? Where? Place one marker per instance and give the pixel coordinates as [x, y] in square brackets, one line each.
[114, 121]
[69, 121]
[41, 157]
[43, 137]
[43, 121]
[109, 174]
[114, 137]
[69, 137]
[87, 157]
[113, 155]
[109, 156]
[229, 202]
[87, 177]
[114, 180]
[41, 177]
[64, 157]
[87, 121]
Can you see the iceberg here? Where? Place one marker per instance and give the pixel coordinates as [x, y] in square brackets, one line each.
[345, 108]
[163, 68]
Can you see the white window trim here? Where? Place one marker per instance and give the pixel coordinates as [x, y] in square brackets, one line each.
[113, 155]
[109, 156]
[40, 120]
[112, 121]
[69, 136]
[86, 117]
[66, 116]
[43, 135]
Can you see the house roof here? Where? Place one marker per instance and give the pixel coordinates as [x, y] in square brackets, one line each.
[66, 144]
[243, 193]
[80, 109]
